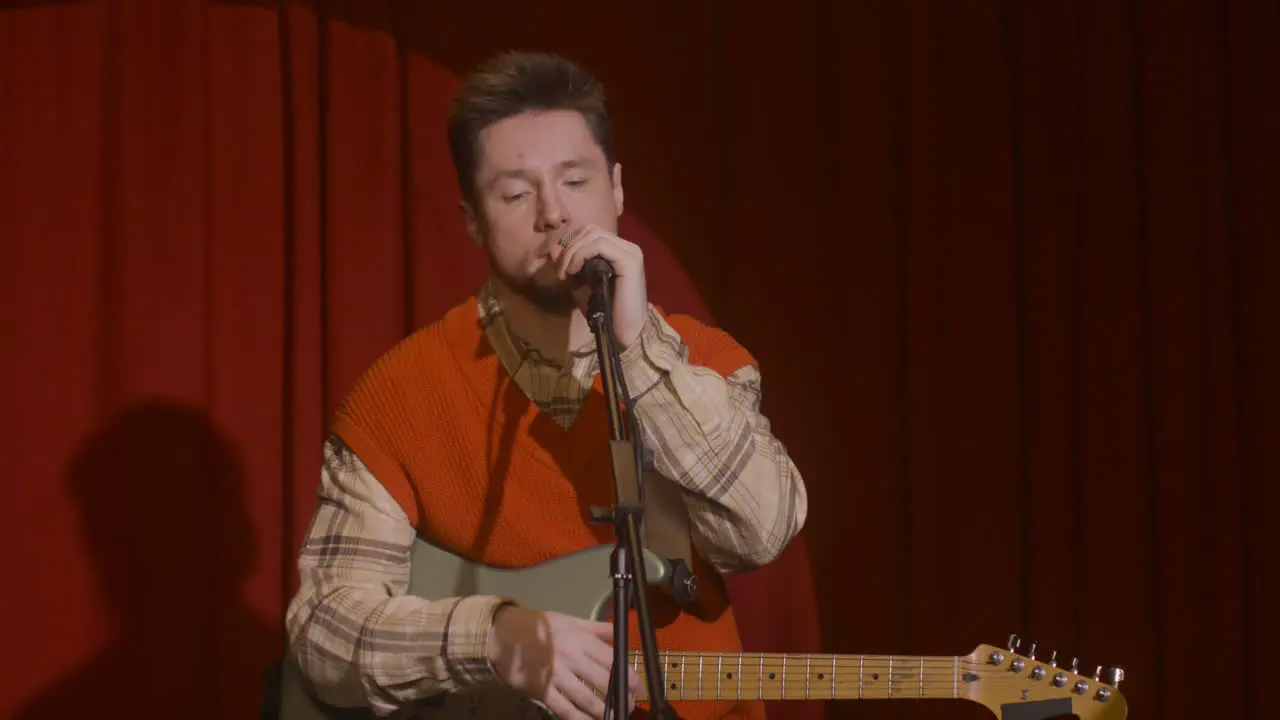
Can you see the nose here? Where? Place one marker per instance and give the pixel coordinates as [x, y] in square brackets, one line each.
[552, 214]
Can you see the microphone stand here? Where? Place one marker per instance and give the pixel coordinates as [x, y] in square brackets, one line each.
[627, 566]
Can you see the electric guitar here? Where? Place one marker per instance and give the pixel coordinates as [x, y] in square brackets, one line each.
[1012, 686]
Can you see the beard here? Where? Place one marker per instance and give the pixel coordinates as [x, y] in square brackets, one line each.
[547, 295]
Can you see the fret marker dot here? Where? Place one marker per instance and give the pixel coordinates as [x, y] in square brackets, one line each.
[875, 676]
[770, 676]
[729, 675]
[819, 676]
[673, 686]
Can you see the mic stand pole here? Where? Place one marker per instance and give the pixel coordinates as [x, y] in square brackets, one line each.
[627, 566]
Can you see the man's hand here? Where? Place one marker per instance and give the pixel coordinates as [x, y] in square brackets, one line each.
[559, 660]
[630, 299]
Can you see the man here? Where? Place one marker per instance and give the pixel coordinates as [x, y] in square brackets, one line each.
[486, 433]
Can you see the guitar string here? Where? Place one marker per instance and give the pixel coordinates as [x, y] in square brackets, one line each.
[852, 678]
[754, 679]
[907, 680]
[771, 661]
[933, 676]
[914, 679]
[826, 657]
[802, 665]
[847, 688]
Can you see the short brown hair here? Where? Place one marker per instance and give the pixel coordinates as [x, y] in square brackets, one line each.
[514, 83]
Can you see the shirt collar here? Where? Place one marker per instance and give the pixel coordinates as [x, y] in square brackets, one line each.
[514, 351]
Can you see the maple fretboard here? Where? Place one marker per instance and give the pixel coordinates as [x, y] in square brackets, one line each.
[794, 676]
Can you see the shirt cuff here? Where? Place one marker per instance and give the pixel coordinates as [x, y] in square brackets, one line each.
[652, 357]
[467, 639]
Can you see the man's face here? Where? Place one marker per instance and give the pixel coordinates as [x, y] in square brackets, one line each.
[540, 175]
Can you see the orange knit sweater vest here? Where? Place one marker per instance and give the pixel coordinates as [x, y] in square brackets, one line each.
[482, 472]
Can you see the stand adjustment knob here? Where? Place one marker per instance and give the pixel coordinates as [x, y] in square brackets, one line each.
[684, 584]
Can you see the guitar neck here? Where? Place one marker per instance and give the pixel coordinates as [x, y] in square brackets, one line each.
[795, 676]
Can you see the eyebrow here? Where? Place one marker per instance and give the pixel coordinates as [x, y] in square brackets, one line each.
[524, 174]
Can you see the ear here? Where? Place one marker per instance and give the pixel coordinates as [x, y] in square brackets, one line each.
[617, 187]
[472, 221]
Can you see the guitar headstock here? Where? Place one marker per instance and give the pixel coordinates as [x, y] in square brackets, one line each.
[1000, 677]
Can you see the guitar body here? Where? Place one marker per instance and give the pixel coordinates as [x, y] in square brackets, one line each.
[578, 584]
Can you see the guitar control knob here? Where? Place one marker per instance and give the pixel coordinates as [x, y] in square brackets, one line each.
[1053, 659]
[1059, 679]
[1115, 676]
[1104, 694]
[1032, 653]
[1081, 687]
[1014, 642]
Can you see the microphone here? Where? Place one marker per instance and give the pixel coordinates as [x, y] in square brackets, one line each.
[595, 273]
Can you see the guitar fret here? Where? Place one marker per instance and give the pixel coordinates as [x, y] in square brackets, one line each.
[739, 676]
[666, 662]
[955, 677]
[921, 676]
[889, 689]
[833, 677]
[860, 659]
[699, 676]
[760, 679]
[635, 667]
[683, 662]
[719, 672]
[808, 668]
[783, 692]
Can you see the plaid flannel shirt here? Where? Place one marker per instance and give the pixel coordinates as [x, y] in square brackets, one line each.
[362, 642]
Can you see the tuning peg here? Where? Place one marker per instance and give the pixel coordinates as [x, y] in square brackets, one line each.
[1075, 665]
[1097, 674]
[1014, 642]
[1053, 659]
[1115, 676]
[1032, 653]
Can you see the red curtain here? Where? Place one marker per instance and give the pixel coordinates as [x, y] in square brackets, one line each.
[1008, 268]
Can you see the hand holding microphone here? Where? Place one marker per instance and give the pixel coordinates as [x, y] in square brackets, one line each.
[592, 253]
